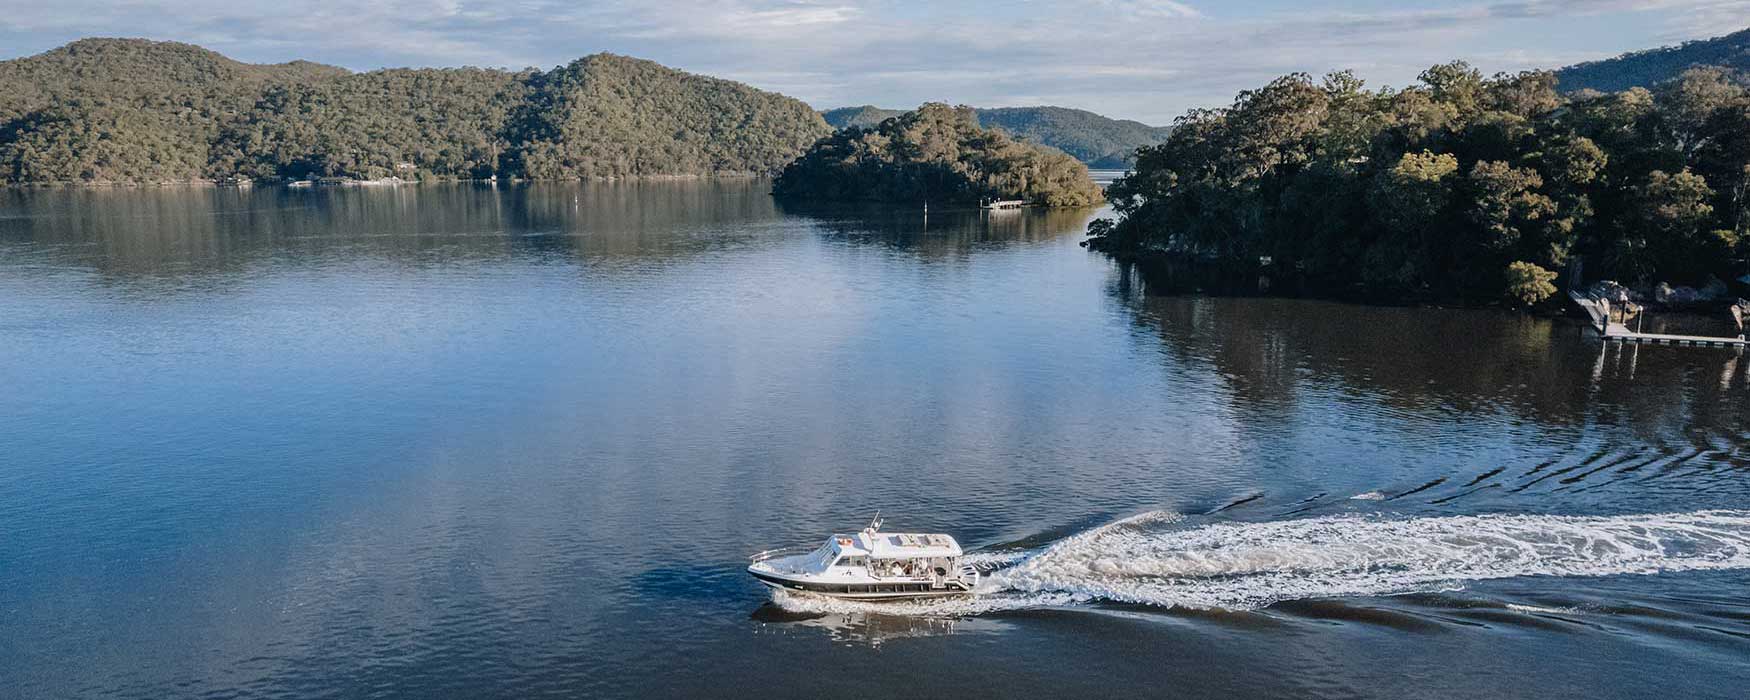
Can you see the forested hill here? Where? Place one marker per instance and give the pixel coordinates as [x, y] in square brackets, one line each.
[1101, 142]
[132, 68]
[1651, 67]
[128, 110]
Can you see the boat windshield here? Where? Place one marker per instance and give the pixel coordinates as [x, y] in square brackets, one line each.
[821, 558]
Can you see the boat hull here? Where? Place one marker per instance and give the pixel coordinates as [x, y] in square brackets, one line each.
[899, 590]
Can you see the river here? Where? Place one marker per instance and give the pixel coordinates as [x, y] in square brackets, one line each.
[459, 441]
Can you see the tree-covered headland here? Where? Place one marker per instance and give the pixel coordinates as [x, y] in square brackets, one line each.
[1459, 187]
[935, 154]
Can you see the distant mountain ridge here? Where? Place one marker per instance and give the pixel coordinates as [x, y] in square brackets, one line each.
[1099, 141]
[139, 111]
[1653, 66]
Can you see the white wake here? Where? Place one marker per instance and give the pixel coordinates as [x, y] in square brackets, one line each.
[1154, 559]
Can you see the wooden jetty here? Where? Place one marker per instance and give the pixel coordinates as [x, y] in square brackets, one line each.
[1615, 331]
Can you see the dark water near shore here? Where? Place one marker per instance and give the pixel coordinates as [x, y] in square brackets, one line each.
[464, 442]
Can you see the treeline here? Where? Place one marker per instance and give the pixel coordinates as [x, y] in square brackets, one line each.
[935, 154]
[109, 110]
[1099, 141]
[1458, 187]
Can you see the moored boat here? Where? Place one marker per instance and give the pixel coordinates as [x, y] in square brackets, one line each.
[870, 565]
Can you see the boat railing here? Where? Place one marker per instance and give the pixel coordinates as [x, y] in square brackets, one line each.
[776, 553]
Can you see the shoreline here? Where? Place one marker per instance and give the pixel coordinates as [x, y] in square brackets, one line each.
[1170, 274]
[217, 184]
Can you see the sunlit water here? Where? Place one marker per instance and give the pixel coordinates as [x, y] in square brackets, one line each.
[465, 442]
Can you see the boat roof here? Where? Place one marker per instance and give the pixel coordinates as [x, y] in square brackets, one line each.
[897, 545]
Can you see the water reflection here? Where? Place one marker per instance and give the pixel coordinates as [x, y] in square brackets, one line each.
[151, 233]
[1428, 359]
[940, 232]
[1473, 392]
[869, 629]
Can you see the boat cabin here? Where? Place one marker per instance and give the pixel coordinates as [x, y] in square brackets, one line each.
[871, 564]
[893, 555]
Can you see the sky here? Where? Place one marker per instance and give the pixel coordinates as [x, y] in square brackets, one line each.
[1148, 60]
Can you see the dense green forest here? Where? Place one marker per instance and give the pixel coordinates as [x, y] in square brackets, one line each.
[1458, 187]
[1654, 66]
[125, 110]
[935, 154]
[1099, 141]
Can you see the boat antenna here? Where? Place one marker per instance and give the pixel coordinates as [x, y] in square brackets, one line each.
[875, 524]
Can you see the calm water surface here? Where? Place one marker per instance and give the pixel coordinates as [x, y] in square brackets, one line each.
[466, 442]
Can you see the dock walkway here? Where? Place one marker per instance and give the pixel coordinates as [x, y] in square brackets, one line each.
[1617, 332]
[1621, 333]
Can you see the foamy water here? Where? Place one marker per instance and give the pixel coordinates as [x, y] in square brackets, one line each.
[1154, 559]
[1541, 610]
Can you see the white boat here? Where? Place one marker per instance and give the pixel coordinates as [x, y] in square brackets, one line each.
[870, 565]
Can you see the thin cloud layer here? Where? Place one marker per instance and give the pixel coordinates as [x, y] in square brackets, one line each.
[1142, 59]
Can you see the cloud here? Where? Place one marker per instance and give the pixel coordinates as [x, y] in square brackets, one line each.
[1142, 59]
[1705, 20]
[1153, 8]
[1550, 8]
[689, 20]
